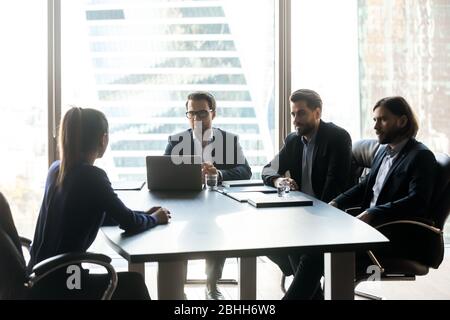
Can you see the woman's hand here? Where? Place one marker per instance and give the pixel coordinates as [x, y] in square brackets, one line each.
[161, 215]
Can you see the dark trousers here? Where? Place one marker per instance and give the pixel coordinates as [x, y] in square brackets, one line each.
[130, 286]
[283, 262]
[307, 270]
[213, 269]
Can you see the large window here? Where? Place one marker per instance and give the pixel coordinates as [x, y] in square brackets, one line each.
[404, 50]
[324, 43]
[138, 60]
[23, 108]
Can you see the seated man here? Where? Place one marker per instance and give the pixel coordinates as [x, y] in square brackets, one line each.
[318, 157]
[401, 180]
[221, 154]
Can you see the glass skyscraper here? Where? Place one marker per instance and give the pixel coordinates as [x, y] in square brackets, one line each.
[147, 56]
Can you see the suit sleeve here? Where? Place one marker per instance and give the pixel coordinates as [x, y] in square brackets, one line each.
[277, 167]
[354, 196]
[338, 173]
[241, 170]
[115, 209]
[421, 175]
[169, 147]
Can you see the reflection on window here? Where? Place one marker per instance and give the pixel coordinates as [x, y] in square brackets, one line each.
[159, 29]
[137, 61]
[404, 50]
[369, 49]
[149, 12]
[104, 15]
[154, 93]
[164, 62]
[171, 79]
[162, 45]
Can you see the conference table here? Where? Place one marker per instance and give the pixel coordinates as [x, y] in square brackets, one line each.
[211, 224]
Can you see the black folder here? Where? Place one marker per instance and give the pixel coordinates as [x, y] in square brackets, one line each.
[273, 200]
[242, 183]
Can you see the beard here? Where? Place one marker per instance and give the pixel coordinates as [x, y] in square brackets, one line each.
[304, 129]
[389, 136]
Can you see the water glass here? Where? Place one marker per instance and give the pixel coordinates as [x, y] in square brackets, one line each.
[211, 180]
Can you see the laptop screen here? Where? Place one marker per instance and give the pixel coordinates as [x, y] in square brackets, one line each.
[174, 173]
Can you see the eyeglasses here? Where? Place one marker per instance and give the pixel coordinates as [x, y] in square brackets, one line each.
[300, 113]
[202, 114]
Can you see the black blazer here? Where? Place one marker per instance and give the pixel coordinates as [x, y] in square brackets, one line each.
[331, 161]
[234, 168]
[408, 187]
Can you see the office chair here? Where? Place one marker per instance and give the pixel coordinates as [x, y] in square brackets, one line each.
[423, 248]
[15, 283]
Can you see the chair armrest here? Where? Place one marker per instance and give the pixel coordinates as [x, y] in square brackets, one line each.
[354, 211]
[68, 258]
[47, 266]
[411, 239]
[375, 260]
[420, 222]
[25, 242]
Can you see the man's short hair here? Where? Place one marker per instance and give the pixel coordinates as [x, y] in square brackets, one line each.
[203, 95]
[311, 97]
[399, 106]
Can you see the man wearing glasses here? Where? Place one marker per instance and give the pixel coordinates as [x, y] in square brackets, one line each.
[221, 154]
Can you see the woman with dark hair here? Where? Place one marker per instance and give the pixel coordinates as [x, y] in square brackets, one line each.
[78, 200]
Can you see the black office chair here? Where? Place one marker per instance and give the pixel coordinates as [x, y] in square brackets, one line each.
[423, 248]
[15, 283]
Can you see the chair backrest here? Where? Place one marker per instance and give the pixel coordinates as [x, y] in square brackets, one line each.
[363, 152]
[12, 262]
[7, 222]
[431, 251]
[440, 202]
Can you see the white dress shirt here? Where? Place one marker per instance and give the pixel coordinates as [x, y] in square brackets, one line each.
[386, 164]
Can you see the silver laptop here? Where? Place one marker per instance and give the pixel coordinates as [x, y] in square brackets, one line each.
[174, 173]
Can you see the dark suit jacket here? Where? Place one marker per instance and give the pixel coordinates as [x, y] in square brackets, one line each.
[331, 161]
[230, 161]
[408, 187]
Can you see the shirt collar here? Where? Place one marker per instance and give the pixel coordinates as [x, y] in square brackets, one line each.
[395, 149]
[312, 140]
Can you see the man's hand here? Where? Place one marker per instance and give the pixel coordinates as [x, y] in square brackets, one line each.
[366, 217]
[333, 203]
[290, 182]
[161, 215]
[208, 167]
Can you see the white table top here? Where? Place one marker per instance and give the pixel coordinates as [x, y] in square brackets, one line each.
[210, 223]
